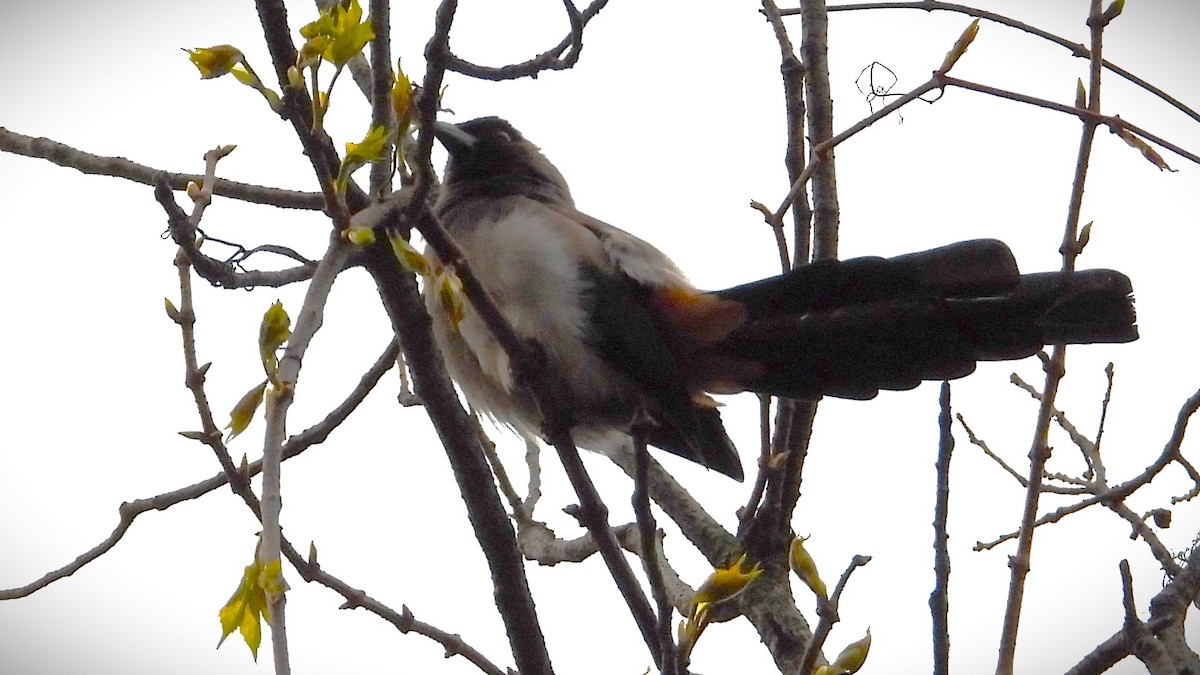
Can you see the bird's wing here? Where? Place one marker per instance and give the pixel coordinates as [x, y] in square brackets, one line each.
[647, 322]
[703, 316]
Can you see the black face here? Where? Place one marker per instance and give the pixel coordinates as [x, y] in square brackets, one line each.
[486, 147]
[488, 157]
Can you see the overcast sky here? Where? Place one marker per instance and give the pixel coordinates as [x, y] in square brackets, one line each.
[670, 124]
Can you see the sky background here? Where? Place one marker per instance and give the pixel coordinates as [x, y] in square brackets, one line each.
[670, 124]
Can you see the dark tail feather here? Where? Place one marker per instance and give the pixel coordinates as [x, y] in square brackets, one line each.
[894, 341]
[966, 269]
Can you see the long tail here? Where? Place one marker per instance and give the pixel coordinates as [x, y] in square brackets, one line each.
[850, 328]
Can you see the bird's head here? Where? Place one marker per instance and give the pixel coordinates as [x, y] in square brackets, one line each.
[489, 157]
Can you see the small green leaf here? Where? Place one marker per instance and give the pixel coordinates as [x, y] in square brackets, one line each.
[350, 42]
[806, 568]
[960, 47]
[723, 584]
[1148, 152]
[450, 292]
[852, 658]
[409, 257]
[250, 603]
[360, 236]
[402, 99]
[214, 61]
[243, 413]
[272, 333]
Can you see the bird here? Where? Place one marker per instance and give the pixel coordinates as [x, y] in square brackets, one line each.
[626, 335]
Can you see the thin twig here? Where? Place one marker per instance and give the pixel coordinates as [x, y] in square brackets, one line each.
[1075, 48]
[746, 513]
[821, 149]
[648, 532]
[119, 167]
[1039, 452]
[939, 599]
[1140, 529]
[1111, 121]
[1170, 454]
[982, 445]
[279, 398]
[1098, 472]
[828, 612]
[551, 59]
[593, 515]
[792, 70]
[1108, 653]
[519, 511]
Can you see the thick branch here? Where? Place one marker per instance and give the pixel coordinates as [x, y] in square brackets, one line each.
[490, 522]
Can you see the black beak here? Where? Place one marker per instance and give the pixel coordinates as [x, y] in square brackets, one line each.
[456, 141]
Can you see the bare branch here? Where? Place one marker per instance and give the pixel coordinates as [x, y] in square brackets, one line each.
[119, 167]
[297, 108]
[648, 533]
[982, 445]
[792, 69]
[828, 611]
[218, 273]
[1039, 451]
[1113, 122]
[1076, 49]
[552, 59]
[746, 513]
[1168, 610]
[1170, 454]
[381, 79]
[939, 599]
[297, 444]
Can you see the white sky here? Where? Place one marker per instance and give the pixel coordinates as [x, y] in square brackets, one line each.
[670, 124]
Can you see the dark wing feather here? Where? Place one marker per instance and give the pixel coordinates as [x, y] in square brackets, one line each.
[631, 337]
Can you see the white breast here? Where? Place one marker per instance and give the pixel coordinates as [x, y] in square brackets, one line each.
[528, 257]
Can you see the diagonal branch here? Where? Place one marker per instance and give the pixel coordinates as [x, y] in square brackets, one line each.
[1076, 49]
[828, 611]
[525, 359]
[128, 511]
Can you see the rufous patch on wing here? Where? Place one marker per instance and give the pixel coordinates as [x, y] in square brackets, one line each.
[703, 316]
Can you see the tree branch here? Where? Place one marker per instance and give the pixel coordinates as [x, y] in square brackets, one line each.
[939, 600]
[828, 611]
[1075, 48]
[1055, 368]
[552, 59]
[119, 167]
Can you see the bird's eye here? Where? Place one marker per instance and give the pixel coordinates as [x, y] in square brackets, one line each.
[502, 136]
